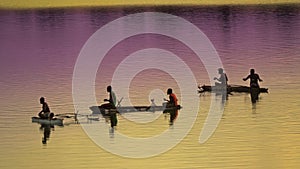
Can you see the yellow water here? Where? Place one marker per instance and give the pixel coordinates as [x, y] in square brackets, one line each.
[266, 136]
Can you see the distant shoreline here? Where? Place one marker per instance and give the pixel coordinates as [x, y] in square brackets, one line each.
[35, 4]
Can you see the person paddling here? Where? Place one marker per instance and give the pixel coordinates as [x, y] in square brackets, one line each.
[172, 106]
[222, 80]
[111, 105]
[45, 112]
[254, 86]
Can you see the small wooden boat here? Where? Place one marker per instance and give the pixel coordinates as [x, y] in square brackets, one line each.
[128, 109]
[54, 121]
[230, 88]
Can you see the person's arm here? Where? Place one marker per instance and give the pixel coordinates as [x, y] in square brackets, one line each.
[259, 78]
[42, 109]
[110, 99]
[218, 79]
[107, 100]
[222, 78]
[246, 78]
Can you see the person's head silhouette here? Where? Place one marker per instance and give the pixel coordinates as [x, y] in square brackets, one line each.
[108, 89]
[169, 91]
[42, 100]
[220, 70]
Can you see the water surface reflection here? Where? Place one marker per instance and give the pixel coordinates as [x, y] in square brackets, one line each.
[39, 49]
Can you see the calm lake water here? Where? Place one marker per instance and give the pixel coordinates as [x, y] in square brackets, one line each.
[38, 53]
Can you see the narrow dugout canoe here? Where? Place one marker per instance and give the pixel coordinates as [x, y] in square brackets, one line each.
[230, 88]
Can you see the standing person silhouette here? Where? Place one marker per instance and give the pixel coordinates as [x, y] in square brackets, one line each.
[254, 86]
[111, 105]
[172, 106]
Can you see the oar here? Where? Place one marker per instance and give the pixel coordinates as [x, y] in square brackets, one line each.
[66, 115]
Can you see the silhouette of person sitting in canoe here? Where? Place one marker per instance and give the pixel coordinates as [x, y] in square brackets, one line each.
[222, 80]
[254, 86]
[45, 112]
[171, 106]
[110, 105]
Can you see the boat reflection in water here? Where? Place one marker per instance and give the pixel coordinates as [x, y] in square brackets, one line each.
[46, 126]
[47, 131]
[219, 98]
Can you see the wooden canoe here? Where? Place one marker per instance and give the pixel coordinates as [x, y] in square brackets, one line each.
[128, 109]
[230, 88]
[54, 121]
